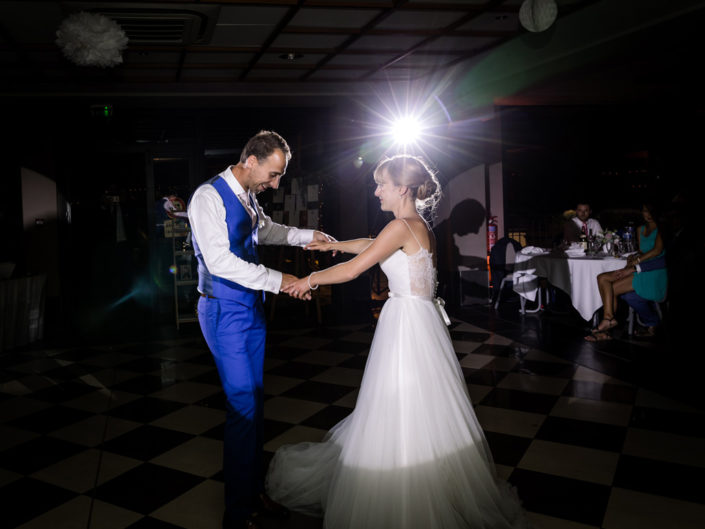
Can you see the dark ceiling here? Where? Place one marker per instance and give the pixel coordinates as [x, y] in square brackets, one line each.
[328, 49]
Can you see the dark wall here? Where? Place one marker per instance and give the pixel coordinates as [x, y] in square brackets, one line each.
[613, 157]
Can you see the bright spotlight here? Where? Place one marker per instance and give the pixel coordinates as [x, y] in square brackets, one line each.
[406, 130]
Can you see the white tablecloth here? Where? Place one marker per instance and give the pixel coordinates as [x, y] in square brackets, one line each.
[577, 276]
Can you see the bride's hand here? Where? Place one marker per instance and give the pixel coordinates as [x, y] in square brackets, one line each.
[321, 246]
[298, 289]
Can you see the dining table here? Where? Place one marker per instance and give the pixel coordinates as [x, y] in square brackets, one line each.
[575, 275]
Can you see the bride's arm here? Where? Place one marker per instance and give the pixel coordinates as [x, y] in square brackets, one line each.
[355, 246]
[392, 237]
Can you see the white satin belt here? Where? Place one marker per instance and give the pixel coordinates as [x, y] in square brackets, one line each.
[438, 302]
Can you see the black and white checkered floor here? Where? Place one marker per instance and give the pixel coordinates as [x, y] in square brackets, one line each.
[130, 436]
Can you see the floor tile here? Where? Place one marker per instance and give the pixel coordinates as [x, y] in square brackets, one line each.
[182, 371]
[464, 347]
[349, 400]
[628, 509]
[614, 413]
[109, 359]
[11, 436]
[186, 392]
[658, 477]
[316, 392]
[356, 362]
[146, 364]
[200, 456]
[668, 421]
[63, 392]
[469, 336]
[343, 376]
[143, 385]
[297, 370]
[27, 498]
[582, 433]
[599, 391]
[585, 374]
[486, 377]
[146, 409]
[362, 337]
[109, 377]
[570, 461]
[199, 508]
[191, 419]
[664, 446]
[146, 442]
[15, 407]
[101, 400]
[542, 356]
[290, 410]
[36, 454]
[533, 383]
[559, 497]
[94, 430]
[179, 354]
[327, 417]
[342, 346]
[277, 384]
[147, 522]
[519, 400]
[7, 477]
[146, 487]
[296, 434]
[551, 369]
[82, 472]
[651, 399]
[543, 521]
[50, 419]
[507, 449]
[511, 422]
[474, 361]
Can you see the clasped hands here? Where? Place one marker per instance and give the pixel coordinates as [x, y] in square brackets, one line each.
[629, 269]
[301, 288]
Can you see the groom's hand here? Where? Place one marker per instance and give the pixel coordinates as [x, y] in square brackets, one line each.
[287, 281]
[324, 237]
[295, 287]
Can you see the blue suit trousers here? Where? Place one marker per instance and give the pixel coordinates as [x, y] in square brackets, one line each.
[235, 334]
[643, 307]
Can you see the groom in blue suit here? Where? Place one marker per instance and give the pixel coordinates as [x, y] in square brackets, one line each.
[227, 224]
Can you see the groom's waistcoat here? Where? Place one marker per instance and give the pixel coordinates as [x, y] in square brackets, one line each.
[242, 237]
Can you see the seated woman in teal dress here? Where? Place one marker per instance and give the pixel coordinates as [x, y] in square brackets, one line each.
[649, 285]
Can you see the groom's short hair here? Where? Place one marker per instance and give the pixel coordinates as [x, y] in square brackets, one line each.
[263, 144]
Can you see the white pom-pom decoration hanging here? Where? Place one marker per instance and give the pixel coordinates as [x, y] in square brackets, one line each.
[91, 39]
[538, 15]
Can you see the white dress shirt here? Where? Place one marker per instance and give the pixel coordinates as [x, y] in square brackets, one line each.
[206, 213]
[592, 224]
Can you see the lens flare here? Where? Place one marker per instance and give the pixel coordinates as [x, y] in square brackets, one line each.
[172, 269]
[406, 130]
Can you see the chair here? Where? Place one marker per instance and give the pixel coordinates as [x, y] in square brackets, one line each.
[634, 316]
[502, 259]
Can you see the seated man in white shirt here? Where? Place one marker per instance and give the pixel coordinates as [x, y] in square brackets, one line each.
[581, 223]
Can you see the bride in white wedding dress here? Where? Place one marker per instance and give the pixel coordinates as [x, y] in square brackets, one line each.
[411, 455]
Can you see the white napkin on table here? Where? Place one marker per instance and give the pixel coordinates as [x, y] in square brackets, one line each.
[575, 250]
[532, 250]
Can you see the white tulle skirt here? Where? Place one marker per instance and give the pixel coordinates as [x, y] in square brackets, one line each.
[412, 454]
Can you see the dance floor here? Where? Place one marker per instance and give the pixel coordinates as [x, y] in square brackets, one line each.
[129, 435]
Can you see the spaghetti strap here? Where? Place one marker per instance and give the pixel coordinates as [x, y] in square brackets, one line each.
[414, 235]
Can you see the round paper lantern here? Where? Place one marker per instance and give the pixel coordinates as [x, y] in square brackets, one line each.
[91, 39]
[538, 15]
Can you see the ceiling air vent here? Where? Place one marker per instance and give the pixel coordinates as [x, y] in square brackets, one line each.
[175, 24]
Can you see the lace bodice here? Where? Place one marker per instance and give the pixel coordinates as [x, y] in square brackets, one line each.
[412, 275]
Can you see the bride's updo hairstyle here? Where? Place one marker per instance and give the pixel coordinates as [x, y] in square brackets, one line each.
[414, 173]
